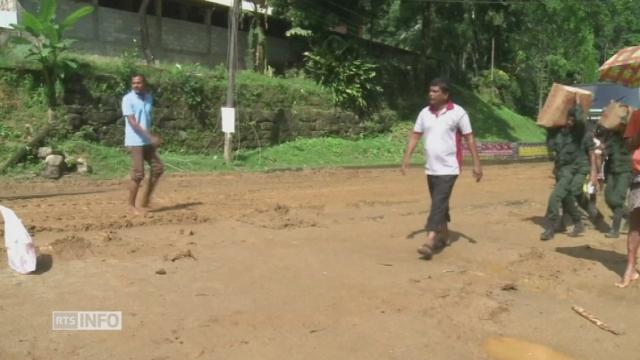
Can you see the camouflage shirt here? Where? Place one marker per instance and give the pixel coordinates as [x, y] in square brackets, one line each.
[566, 146]
[618, 156]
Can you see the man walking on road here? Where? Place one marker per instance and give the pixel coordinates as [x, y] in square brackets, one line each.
[443, 125]
[141, 144]
[566, 143]
[619, 177]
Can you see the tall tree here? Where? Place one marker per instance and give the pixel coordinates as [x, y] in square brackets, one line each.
[554, 43]
[533, 42]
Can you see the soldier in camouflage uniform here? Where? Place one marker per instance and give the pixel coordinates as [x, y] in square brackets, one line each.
[566, 143]
[618, 178]
[585, 167]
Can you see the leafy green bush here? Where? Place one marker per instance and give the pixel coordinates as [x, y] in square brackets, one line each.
[499, 89]
[380, 122]
[353, 82]
[187, 105]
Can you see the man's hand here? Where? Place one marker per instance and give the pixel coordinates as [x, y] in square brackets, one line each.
[405, 167]
[593, 179]
[155, 141]
[477, 172]
[412, 141]
[471, 144]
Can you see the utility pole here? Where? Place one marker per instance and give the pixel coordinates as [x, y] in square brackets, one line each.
[232, 60]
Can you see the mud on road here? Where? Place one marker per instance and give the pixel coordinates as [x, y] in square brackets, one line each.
[310, 265]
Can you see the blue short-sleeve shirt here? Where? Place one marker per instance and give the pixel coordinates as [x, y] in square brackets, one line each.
[138, 105]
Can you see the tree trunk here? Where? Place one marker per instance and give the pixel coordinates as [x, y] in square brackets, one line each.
[463, 60]
[493, 54]
[258, 40]
[425, 27]
[425, 32]
[145, 41]
[50, 81]
[35, 142]
[475, 53]
[261, 46]
[250, 58]
[542, 80]
[474, 59]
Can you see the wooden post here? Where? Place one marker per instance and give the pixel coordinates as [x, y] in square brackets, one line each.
[232, 59]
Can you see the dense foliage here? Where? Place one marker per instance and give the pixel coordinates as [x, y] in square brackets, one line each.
[532, 42]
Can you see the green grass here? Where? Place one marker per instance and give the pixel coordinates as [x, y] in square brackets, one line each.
[110, 163]
[490, 124]
[386, 149]
[327, 152]
[497, 123]
[22, 107]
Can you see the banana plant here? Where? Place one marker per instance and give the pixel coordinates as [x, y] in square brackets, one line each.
[45, 35]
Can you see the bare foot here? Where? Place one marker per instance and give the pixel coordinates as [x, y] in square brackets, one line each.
[627, 279]
[136, 211]
[156, 203]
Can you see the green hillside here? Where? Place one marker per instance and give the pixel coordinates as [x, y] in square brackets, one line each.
[22, 110]
[497, 123]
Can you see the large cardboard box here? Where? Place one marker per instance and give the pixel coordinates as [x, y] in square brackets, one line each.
[615, 114]
[562, 98]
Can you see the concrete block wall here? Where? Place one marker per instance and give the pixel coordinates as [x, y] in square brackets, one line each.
[110, 32]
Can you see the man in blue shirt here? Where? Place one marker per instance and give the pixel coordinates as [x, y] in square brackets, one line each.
[141, 144]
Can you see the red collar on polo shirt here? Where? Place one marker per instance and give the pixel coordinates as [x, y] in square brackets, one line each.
[447, 108]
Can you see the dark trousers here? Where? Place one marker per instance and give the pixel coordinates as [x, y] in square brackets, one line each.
[440, 189]
[615, 191]
[562, 197]
[582, 200]
[140, 154]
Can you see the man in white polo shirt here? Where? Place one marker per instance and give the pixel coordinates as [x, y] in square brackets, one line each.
[443, 125]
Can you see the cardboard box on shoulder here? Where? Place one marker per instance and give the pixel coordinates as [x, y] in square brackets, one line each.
[561, 99]
[615, 114]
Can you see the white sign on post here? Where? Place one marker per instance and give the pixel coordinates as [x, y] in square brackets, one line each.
[228, 120]
[8, 13]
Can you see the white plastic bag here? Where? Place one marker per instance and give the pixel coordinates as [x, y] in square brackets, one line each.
[20, 249]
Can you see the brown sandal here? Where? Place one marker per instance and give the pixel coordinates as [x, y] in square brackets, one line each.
[426, 250]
